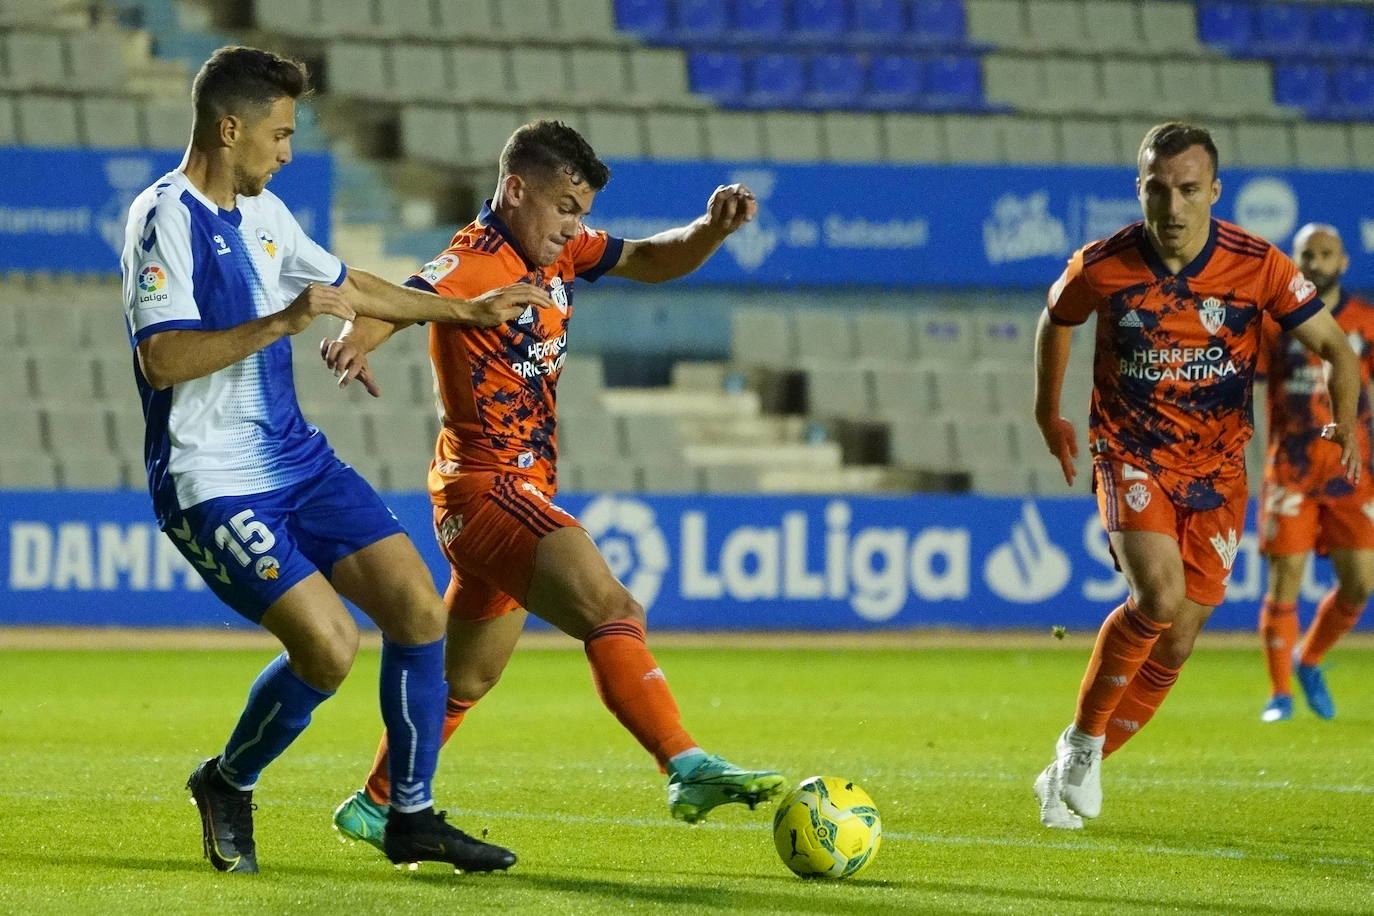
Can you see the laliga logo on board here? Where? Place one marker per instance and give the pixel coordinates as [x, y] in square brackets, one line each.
[1030, 567]
[628, 536]
[752, 243]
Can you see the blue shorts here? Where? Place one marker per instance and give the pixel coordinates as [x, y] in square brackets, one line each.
[251, 549]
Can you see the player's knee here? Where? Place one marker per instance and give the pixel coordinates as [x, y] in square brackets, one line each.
[1355, 590]
[326, 662]
[468, 686]
[621, 605]
[1159, 601]
[422, 618]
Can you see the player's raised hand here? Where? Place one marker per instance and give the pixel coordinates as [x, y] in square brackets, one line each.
[315, 300]
[1063, 444]
[1344, 436]
[349, 362]
[501, 305]
[730, 207]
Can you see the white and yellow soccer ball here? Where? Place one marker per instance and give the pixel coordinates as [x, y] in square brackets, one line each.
[827, 827]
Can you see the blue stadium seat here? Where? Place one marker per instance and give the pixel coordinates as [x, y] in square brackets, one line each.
[761, 22]
[1353, 92]
[1282, 28]
[834, 81]
[938, 23]
[1302, 85]
[953, 81]
[699, 21]
[895, 82]
[877, 21]
[776, 80]
[1225, 25]
[1340, 30]
[820, 20]
[645, 18]
[719, 74]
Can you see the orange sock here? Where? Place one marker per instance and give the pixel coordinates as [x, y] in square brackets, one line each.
[378, 785]
[1123, 644]
[1278, 626]
[1139, 703]
[1334, 619]
[633, 688]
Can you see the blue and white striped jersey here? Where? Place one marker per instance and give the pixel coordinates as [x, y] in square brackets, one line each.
[189, 265]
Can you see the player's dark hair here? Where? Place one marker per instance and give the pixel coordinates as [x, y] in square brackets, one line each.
[542, 149]
[244, 81]
[1173, 137]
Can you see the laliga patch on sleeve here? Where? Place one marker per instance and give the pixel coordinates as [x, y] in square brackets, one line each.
[439, 268]
[152, 285]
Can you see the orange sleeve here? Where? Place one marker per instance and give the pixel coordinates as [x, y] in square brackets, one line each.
[1288, 296]
[1072, 297]
[466, 275]
[593, 253]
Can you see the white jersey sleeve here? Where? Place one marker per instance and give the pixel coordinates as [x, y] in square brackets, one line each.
[303, 260]
[159, 285]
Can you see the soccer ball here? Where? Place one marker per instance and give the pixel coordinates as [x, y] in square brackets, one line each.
[827, 827]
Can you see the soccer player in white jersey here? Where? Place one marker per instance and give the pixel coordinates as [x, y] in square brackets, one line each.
[217, 276]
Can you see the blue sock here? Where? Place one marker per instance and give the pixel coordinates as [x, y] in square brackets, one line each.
[413, 692]
[279, 708]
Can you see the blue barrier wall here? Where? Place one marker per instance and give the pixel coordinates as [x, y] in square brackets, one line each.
[708, 562]
[951, 225]
[65, 210]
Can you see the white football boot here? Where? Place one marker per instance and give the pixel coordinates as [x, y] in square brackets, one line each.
[1053, 812]
[1079, 758]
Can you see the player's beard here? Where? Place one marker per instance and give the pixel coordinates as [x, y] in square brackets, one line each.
[1324, 282]
[249, 184]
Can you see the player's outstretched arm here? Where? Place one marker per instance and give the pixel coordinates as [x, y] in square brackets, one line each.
[374, 297]
[1052, 343]
[673, 253]
[1324, 337]
[171, 357]
[347, 356]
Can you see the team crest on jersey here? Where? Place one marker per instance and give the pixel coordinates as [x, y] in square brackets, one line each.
[1212, 313]
[1226, 547]
[439, 268]
[268, 243]
[1138, 496]
[1301, 287]
[267, 568]
[559, 293]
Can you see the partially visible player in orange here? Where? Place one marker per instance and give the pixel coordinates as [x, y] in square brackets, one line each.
[1179, 299]
[493, 477]
[1308, 503]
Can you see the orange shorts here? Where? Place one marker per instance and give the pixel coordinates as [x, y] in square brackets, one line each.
[1294, 522]
[1129, 499]
[488, 526]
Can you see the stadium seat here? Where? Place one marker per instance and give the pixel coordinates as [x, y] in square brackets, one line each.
[109, 121]
[922, 443]
[97, 59]
[538, 74]
[600, 476]
[883, 336]
[972, 138]
[114, 376]
[293, 17]
[999, 23]
[953, 82]
[1005, 481]
[852, 136]
[166, 123]
[597, 75]
[479, 74]
[937, 23]
[586, 20]
[820, 22]
[837, 392]
[1339, 31]
[914, 138]
[1027, 139]
[34, 60]
[1011, 385]
[834, 81]
[9, 130]
[1301, 85]
[824, 335]
[952, 394]
[791, 136]
[1282, 28]
[1070, 85]
[758, 22]
[649, 435]
[984, 443]
[1228, 26]
[617, 133]
[718, 74]
[648, 19]
[659, 76]
[486, 130]
[1089, 142]
[945, 336]
[419, 71]
[94, 472]
[701, 21]
[674, 135]
[430, 133]
[466, 19]
[64, 376]
[776, 80]
[1130, 87]
[895, 82]
[352, 18]
[28, 471]
[585, 435]
[1353, 91]
[1057, 25]
[731, 478]
[1007, 339]
[1263, 144]
[1322, 146]
[733, 135]
[876, 22]
[1243, 87]
[669, 477]
[1112, 25]
[898, 388]
[762, 337]
[1169, 29]
[406, 18]
[77, 429]
[1014, 80]
[47, 120]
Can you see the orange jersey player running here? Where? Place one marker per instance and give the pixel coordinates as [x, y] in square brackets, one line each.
[1179, 299]
[1308, 504]
[493, 478]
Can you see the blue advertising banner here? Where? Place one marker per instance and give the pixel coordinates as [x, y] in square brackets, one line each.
[951, 225]
[696, 562]
[65, 210]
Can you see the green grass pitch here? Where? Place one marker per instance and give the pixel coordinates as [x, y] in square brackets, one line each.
[1208, 811]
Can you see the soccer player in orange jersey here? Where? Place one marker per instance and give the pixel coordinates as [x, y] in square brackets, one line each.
[1179, 299]
[493, 478]
[1308, 504]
